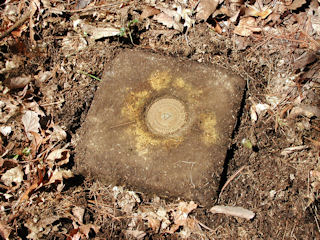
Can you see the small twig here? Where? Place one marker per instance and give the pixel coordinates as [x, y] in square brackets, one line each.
[122, 124]
[204, 226]
[16, 25]
[230, 179]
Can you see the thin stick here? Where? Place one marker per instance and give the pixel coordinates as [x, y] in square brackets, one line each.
[122, 124]
[230, 179]
[16, 25]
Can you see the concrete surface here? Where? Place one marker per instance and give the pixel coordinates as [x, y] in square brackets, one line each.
[160, 125]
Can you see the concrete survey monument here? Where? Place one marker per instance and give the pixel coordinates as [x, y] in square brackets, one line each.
[160, 125]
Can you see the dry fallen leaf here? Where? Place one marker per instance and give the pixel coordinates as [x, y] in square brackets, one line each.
[149, 12]
[233, 211]
[78, 212]
[96, 32]
[85, 229]
[5, 130]
[180, 215]
[58, 157]
[296, 4]
[246, 27]
[305, 110]
[136, 234]
[19, 82]
[59, 175]
[8, 108]
[4, 231]
[206, 8]
[31, 123]
[170, 19]
[254, 12]
[13, 175]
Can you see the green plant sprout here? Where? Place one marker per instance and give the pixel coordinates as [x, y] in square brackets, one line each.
[124, 31]
[26, 151]
[90, 75]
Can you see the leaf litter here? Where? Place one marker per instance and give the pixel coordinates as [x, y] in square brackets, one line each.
[41, 54]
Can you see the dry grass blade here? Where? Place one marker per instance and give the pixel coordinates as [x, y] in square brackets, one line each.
[230, 179]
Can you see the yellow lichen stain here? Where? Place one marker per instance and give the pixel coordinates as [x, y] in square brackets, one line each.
[179, 83]
[160, 80]
[145, 140]
[208, 126]
[135, 103]
[133, 111]
[190, 91]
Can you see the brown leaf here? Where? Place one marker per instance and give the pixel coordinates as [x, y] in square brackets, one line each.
[58, 157]
[169, 18]
[305, 59]
[136, 234]
[13, 175]
[246, 27]
[254, 12]
[59, 175]
[78, 212]
[206, 8]
[27, 193]
[19, 82]
[149, 12]
[296, 4]
[85, 229]
[154, 224]
[4, 231]
[31, 123]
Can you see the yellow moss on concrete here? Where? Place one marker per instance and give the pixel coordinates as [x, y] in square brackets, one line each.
[135, 105]
[160, 80]
[208, 126]
[190, 91]
[133, 111]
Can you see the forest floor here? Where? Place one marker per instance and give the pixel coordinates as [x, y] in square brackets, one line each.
[52, 56]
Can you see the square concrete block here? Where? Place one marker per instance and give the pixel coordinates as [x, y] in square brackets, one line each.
[161, 125]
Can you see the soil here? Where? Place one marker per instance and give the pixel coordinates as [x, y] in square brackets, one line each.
[277, 186]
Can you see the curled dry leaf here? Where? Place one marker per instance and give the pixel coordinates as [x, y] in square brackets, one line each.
[136, 234]
[180, 215]
[149, 12]
[254, 12]
[170, 19]
[13, 175]
[4, 231]
[78, 212]
[305, 110]
[31, 123]
[233, 211]
[256, 110]
[85, 229]
[246, 27]
[59, 175]
[296, 4]
[58, 134]
[206, 8]
[58, 157]
[5, 130]
[19, 82]
[8, 108]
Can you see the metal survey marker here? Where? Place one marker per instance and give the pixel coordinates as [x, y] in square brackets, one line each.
[161, 125]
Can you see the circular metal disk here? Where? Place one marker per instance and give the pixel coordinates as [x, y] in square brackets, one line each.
[166, 116]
